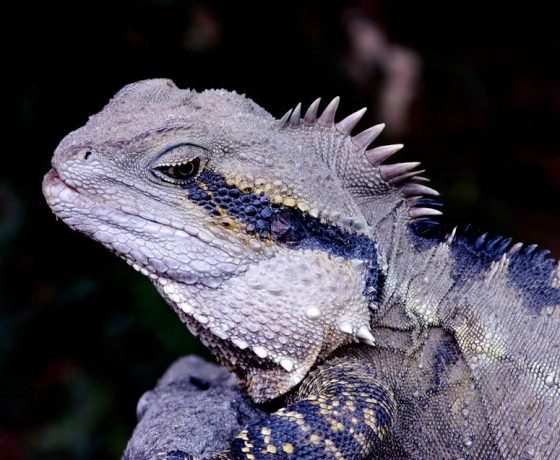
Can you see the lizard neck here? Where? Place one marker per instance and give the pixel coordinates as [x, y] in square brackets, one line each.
[416, 272]
[432, 274]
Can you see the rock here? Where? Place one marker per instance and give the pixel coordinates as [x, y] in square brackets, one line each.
[196, 408]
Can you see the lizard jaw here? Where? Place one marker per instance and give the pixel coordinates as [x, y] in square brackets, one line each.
[111, 225]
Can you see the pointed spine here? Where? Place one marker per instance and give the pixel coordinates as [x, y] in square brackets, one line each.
[295, 117]
[349, 123]
[415, 213]
[345, 327]
[452, 235]
[405, 177]
[389, 172]
[284, 120]
[329, 114]
[504, 245]
[531, 248]
[287, 364]
[311, 114]
[420, 179]
[366, 137]
[479, 243]
[514, 249]
[364, 333]
[411, 189]
[378, 155]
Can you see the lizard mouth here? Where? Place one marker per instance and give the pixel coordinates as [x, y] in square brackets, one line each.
[68, 203]
[140, 239]
[72, 206]
[54, 186]
[81, 212]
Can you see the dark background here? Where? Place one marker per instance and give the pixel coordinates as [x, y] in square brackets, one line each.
[81, 334]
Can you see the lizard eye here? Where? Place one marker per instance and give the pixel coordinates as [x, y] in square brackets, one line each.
[179, 163]
[178, 173]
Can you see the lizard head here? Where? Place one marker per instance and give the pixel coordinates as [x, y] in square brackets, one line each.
[255, 230]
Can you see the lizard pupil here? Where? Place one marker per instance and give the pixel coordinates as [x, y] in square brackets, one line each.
[184, 170]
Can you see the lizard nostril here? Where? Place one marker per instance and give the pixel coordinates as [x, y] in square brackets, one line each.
[87, 154]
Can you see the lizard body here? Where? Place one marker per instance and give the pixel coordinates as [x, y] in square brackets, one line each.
[317, 272]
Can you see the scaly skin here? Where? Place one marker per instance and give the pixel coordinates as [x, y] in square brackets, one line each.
[316, 272]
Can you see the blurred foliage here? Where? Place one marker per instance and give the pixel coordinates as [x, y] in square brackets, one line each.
[81, 335]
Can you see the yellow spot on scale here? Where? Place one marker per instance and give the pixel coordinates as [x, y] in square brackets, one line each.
[271, 449]
[473, 340]
[360, 438]
[350, 406]
[290, 202]
[315, 439]
[288, 448]
[245, 187]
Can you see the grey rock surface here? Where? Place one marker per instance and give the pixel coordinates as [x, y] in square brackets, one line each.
[197, 408]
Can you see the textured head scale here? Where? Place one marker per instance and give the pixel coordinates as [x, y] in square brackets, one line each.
[264, 235]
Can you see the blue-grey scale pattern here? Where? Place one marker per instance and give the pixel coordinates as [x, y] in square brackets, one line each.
[530, 268]
[287, 226]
